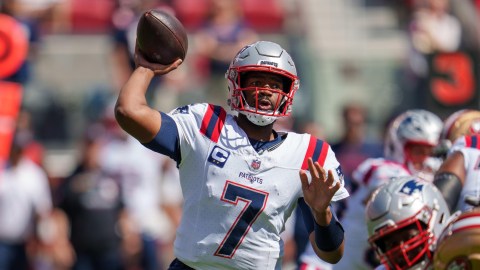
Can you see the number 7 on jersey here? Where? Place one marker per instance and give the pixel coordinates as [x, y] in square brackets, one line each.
[255, 201]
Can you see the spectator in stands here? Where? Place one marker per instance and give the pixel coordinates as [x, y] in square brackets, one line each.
[225, 32]
[355, 146]
[432, 29]
[25, 201]
[164, 92]
[34, 149]
[141, 173]
[92, 201]
[38, 17]
[467, 14]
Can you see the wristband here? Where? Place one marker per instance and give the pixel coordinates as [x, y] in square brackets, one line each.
[329, 238]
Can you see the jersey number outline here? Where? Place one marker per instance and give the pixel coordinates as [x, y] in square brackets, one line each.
[255, 202]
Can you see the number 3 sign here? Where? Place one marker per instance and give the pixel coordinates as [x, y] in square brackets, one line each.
[453, 79]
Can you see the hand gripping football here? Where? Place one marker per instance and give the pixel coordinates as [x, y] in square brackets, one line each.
[161, 37]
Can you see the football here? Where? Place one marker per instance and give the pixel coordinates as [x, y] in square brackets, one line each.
[161, 37]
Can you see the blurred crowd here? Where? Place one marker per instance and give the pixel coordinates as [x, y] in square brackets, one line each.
[119, 204]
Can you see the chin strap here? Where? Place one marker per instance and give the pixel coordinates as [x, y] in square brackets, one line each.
[258, 119]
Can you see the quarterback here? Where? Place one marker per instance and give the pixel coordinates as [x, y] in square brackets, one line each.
[240, 179]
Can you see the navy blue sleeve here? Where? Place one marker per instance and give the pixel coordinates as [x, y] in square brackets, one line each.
[307, 215]
[167, 139]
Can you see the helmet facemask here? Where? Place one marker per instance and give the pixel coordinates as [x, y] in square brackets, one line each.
[398, 253]
[282, 106]
[420, 161]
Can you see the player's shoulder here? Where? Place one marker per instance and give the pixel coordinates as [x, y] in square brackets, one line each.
[194, 108]
[372, 167]
[199, 111]
[369, 163]
[380, 162]
[312, 143]
[304, 136]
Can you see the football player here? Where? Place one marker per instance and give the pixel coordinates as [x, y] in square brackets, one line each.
[240, 178]
[405, 217]
[412, 139]
[409, 143]
[458, 177]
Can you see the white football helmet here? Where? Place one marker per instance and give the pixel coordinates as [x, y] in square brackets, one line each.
[406, 206]
[262, 56]
[413, 127]
[458, 246]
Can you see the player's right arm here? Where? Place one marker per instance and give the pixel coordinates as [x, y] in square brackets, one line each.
[131, 110]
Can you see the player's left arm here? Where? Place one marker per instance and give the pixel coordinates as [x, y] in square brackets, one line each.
[326, 232]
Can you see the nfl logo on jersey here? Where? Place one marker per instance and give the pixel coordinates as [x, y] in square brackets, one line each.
[181, 110]
[256, 164]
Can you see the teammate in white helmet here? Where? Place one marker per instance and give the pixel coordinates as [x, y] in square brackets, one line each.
[240, 178]
[405, 217]
[412, 138]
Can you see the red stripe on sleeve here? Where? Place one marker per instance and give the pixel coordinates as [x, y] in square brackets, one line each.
[468, 141]
[219, 125]
[206, 119]
[323, 154]
[366, 177]
[311, 147]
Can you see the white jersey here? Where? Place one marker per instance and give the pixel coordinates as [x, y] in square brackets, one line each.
[469, 146]
[236, 200]
[368, 176]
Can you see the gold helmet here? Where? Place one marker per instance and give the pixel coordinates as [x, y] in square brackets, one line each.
[460, 123]
[459, 244]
